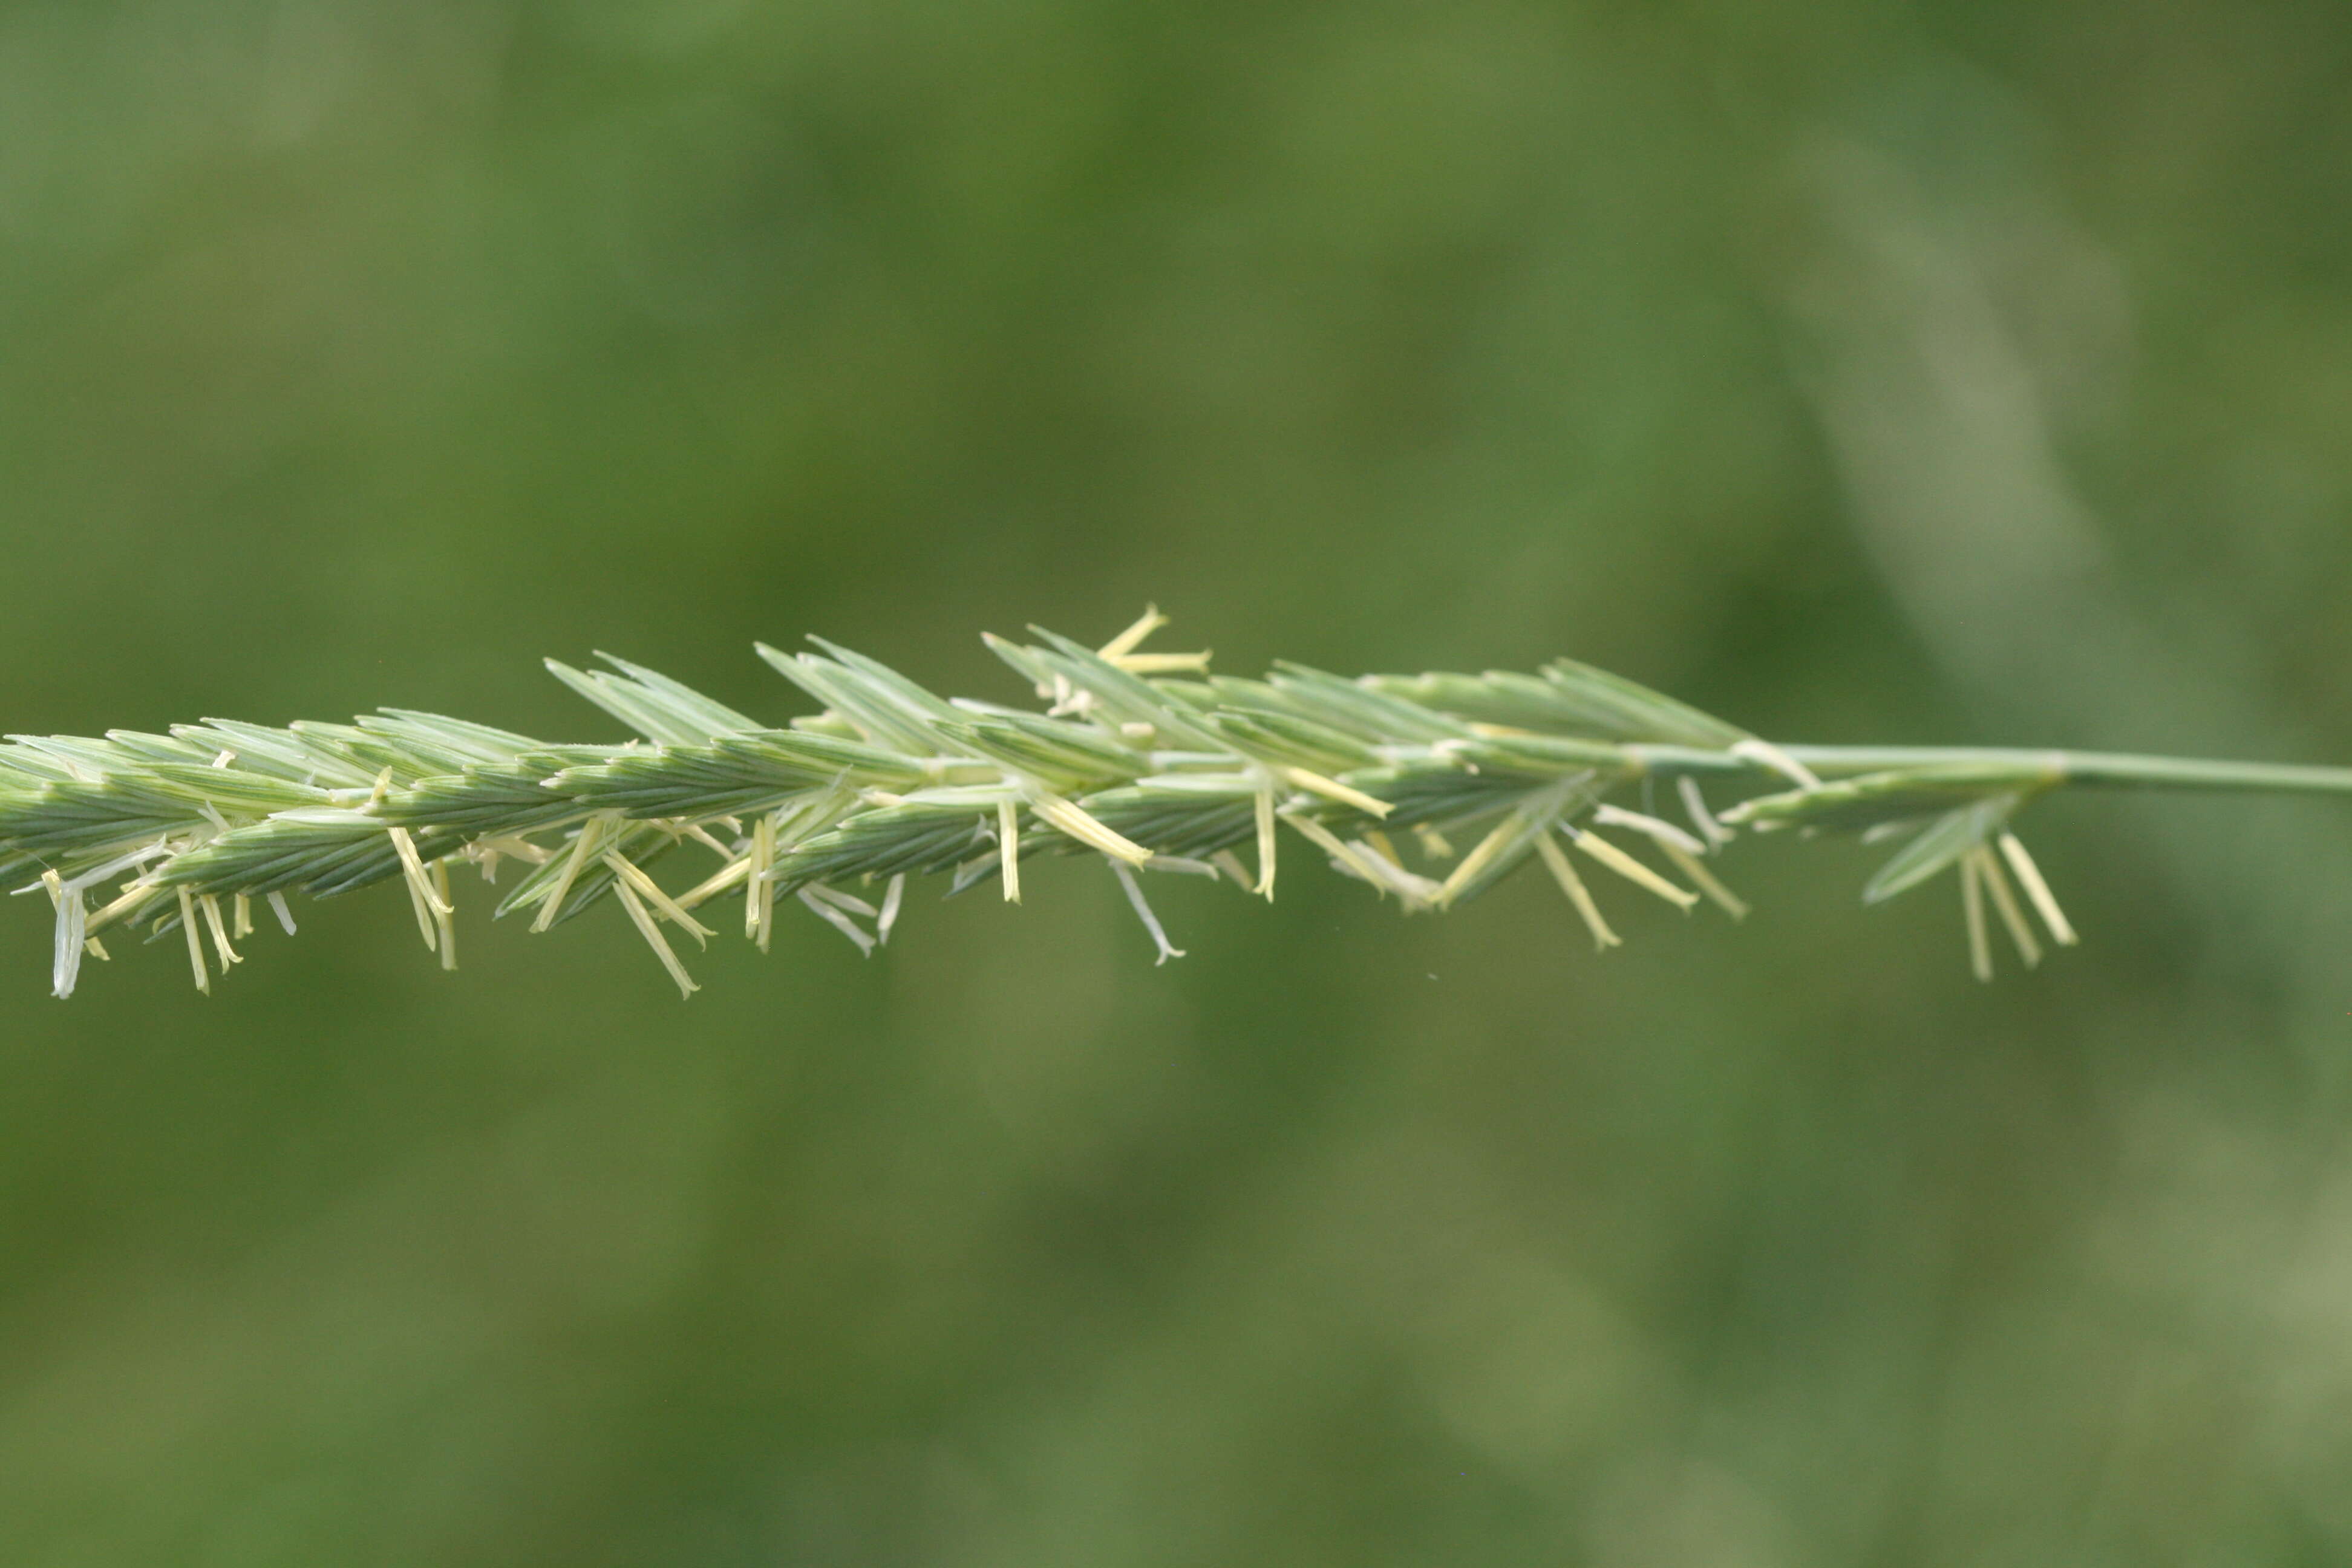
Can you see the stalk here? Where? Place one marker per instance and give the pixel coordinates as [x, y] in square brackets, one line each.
[2102, 770]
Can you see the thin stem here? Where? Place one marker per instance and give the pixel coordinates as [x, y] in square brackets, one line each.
[2112, 770]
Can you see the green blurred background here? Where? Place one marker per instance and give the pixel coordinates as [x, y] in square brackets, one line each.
[1958, 371]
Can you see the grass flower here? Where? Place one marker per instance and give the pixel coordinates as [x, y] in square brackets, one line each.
[1149, 761]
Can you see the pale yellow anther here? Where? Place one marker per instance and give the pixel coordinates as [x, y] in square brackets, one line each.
[430, 907]
[1695, 803]
[220, 932]
[1364, 866]
[719, 881]
[195, 942]
[1127, 641]
[1008, 847]
[1564, 873]
[1481, 857]
[583, 848]
[1778, 761]
[134, 897]
[1634, 871]
[653, 939]
[1164, 663]
[1332, 789]
[522, 850]
[701, 836]
[2029, 876]
[634, 875]
[445, 914]
[1265, 811]
[1972, 907]
[1692, 867]
[1073, 820]
[759, 892]
[2005, 903]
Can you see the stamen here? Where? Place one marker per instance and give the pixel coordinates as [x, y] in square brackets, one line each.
[838, 922]
[195, 942]
[445, 915]
[1182, 866]
[1778, 761]
[1164, 663]
[1972, 906]
[2005, 901]
[227, 955]
[633, 874]
[1432, 843]
[1695, 803]
[2029, 876]
[758, 896]
[841, 900]
[701, 836]
[521, 849]
[285, 916]
[1143, 912]
[1650, 826]
[1127, 641]
[138, 857]
[242, 927]
[73, 918]
[1265, 845]
[582, 847]
[1633, 870]
[1481, 857]
[767, 886]
[1692, 867]
[136, 897]
[1564, 873]
[1228, 862]
[432, 909]
[1367, 867]
[1074, 821]
[1334, 790]
[1415, 891]
[970, 871]
[653, 938]
[1008, 847]
[420, 892]
[717, 882]
[889, 916]
[75, 925]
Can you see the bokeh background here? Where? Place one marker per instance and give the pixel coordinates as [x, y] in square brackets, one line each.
[1956, 371]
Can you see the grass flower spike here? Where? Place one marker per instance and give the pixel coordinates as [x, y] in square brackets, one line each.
[1145, 759]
